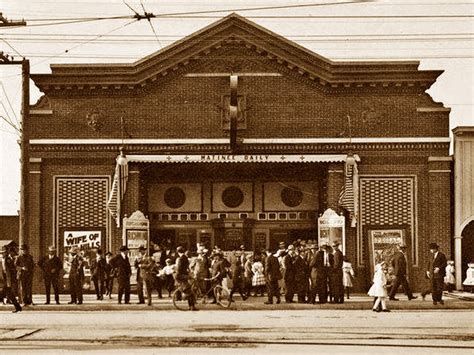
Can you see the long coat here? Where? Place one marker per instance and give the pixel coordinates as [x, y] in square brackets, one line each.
[122, 267]
[399, 263]
[438, 262]
[51, 267]
[272, 268]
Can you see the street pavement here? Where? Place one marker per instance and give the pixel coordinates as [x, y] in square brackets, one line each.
[248, 327]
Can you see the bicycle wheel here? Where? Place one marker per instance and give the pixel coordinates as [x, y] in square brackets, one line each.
[180, 300]
[222, 296]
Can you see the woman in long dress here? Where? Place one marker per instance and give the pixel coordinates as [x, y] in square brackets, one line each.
[379, 288]
[347, 276]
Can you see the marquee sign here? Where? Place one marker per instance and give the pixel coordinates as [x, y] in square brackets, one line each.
[239, 158]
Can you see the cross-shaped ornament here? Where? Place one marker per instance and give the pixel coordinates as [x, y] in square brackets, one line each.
[233, 104]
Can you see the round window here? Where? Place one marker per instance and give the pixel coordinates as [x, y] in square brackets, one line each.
[292, 196]
[174, 197]
[232, 196]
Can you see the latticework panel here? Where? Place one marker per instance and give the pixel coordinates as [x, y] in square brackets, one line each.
[81, 202]
[387, 201]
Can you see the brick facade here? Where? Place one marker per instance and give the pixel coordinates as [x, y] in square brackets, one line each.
[96, 108]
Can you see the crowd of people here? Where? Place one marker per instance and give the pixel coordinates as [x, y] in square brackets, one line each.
[298, 272]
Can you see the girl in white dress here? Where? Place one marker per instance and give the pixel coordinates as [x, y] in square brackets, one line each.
[379, 288]
[347, 276]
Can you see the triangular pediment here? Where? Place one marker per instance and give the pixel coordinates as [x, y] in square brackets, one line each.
[235, 30]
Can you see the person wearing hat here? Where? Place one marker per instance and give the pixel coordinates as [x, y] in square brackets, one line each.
[436, 272]
[51, 266]
[98, 265]
[140, 280]
[109, 274]
[8, 271]
[272, 276]
[76, 276]
[124, 270]
[337, 287]
[182, 277]
[400, 270]
[25, 265]
[289, 273]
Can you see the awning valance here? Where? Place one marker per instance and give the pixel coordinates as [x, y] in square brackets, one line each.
[239, 158]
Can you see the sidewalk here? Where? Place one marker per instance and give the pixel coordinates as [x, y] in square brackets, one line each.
[456, 300]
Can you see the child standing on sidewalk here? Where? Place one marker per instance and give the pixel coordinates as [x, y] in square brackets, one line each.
[347, 276]
[379, 288]
[449, 279]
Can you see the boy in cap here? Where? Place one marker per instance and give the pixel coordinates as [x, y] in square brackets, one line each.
[51, 266]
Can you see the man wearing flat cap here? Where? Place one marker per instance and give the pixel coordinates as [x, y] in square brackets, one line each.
[25, 265]
[436, 272]
[123, 269]
[51, 266]
[400, 270]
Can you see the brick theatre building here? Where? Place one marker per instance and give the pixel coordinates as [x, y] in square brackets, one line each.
[235, 135]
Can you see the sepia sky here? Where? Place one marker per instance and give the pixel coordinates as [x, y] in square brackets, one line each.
[440, 34]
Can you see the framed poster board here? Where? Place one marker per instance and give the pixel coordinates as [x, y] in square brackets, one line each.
[260, 241]
[331, 229]
[86, 240]
[383, 244]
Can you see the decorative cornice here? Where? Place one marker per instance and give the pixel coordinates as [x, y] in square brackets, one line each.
[236, 30]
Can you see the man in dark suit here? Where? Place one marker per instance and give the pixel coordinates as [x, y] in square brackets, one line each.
[8, 270]
[337, 288]
[313, 273]
[436, 272]
[289, 273]
[98, 266]
[76, 276]
[123, 268]
[51, 266]
[323, 262]
[25, 265]
[109, 274]
[140, 280]
[399, 263]
[182, 276]
[272, 276]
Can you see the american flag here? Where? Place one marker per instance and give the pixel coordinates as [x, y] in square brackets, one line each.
[119, 186]
[348, 198]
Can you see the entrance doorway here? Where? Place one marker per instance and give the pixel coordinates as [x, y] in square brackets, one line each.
[291, 236]
[467, 248]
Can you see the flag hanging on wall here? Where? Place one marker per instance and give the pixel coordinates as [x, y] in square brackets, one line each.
[119, 186]
[348, 198]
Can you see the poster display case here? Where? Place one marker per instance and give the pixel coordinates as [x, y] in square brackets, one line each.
[135, 233]
[331, 229]
[383, 244]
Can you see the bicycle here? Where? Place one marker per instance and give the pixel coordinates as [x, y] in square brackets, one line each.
[222, 295]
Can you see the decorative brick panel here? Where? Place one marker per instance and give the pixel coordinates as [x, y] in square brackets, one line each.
[81, 202]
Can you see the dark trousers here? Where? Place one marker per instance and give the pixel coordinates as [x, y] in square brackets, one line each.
[75, 286]
[123, 290]
[322, 282]
[238, 286]
[289, 291]
[8, 291]
[158, 284]
[273, 290]
[437, 288]
[109, 285]
[26, 288]
[99, 286]
[400, 280]
[169, 284]
[141, 297]
[337, 288]
[48, 281]
[150, 285]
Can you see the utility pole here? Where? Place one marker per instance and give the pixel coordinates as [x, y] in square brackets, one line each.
[24, 137]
